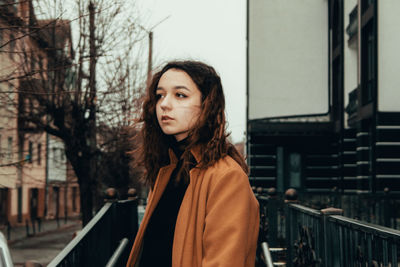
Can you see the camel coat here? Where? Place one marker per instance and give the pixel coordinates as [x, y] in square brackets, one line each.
[218, 221]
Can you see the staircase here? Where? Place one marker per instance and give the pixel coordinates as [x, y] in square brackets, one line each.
[349, 160]
[262, 162]
[387, 151]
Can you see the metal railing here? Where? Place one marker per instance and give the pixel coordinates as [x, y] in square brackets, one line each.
[272, 219]
[324, 237]
[105, 240]
[266, 254]
[360, 243]
[381, 208]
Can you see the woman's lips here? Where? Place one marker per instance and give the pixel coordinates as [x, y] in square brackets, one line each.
[166, 118]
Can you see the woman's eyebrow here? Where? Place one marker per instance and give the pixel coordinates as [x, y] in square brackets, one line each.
[181, 87]
[175, 88]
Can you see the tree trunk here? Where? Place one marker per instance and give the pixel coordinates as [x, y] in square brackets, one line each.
[86, 202]
[86, 182]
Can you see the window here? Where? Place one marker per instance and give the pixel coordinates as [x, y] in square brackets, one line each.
[39, 152]
[62, 151]
[30, 152]
[54, 155]
[10, 150]
[368, 63]
[74, 195]
[40, 62]
[12, 45]
[15, 6]
[33, 63]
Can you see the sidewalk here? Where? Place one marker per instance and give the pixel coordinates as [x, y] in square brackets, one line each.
[18, 233]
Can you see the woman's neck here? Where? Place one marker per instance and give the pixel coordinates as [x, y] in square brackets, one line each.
[178, 146]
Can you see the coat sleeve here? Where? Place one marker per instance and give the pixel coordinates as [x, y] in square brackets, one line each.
[231, 223]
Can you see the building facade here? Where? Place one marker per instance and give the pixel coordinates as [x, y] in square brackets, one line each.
[25, 167]
[323, 112]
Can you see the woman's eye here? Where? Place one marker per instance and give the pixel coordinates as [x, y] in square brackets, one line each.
[158, 96]
[180, 95]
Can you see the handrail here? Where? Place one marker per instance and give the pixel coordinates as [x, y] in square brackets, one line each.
[306, 210]
[104, 239]
[315, 236]
[71, 245]
[369, 228]
[118, 252]
[267, 254]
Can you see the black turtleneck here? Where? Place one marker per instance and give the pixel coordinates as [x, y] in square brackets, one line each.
[159, 235]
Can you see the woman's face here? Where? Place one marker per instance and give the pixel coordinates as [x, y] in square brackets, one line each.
[178, 103]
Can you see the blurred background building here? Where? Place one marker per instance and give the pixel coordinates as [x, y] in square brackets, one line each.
[34, 179]
[323, 99]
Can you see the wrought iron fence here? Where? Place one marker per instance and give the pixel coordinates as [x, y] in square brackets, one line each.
[382, 208]
[355, 243]
[324, 237]
[105, 240]
[272, 220]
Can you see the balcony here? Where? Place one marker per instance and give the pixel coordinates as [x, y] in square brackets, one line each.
[352, 28]
[351, 108]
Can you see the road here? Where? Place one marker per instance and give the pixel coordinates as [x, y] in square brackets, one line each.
[43, 247]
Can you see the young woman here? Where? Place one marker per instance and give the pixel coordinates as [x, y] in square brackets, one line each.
[201, 210]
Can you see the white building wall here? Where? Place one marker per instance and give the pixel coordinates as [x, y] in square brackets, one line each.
[57, 162]
[350, 57]
[388, 56]
[288, 58]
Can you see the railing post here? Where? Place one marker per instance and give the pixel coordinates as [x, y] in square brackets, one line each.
[131, 223]
[132, 194]
[110, 195]
[272, 212]
[290, 197]
[327, 234]
[386, 208]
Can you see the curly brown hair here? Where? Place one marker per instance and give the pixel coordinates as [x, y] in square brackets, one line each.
[208, 132]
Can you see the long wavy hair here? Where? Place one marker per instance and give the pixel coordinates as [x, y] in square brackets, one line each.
[208, 132]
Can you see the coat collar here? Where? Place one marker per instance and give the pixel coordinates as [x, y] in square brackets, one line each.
[196, 152]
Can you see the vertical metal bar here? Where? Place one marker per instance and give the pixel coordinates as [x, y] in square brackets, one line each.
[351, 247]
[345, 244]
[369, 249]
[385, 253]
[272, 221]
[325, 240]
[394, 254]
[341, 256]
[291, 226]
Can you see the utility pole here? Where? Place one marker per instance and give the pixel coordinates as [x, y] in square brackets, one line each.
[150, 60]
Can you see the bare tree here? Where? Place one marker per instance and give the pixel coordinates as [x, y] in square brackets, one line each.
[84, 92]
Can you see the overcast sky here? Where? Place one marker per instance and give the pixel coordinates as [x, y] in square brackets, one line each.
[213, 31]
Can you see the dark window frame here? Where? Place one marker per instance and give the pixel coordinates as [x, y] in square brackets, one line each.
[39, 152]
[369, 56]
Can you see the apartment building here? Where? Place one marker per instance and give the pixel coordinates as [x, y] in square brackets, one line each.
[26, 169]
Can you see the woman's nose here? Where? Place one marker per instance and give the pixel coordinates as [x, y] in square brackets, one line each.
[165, 102]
